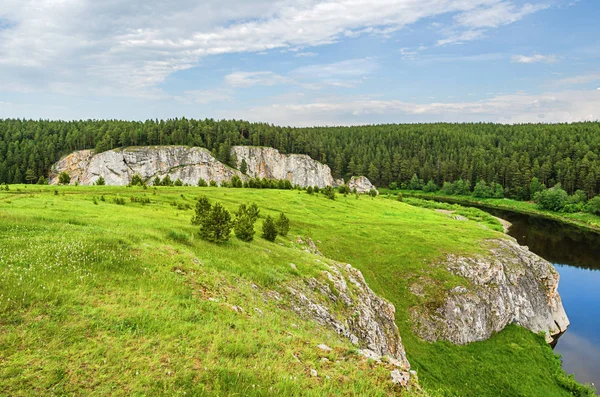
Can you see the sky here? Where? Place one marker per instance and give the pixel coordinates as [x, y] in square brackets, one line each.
[302, 62]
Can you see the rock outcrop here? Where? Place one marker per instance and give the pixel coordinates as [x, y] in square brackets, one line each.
[300, 169]
[341, 299]
[509, 285]
[361, 184]
[117, 167]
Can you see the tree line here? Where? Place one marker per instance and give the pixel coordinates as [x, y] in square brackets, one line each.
[391, 154]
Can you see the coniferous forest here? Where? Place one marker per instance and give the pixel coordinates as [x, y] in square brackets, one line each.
[511, 155]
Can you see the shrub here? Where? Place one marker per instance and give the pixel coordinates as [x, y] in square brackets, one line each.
[243, 166]
[498, 191]
[64, 178]
[593, 206]
[309, 190]
[119, 201]
[329, 192]
[430, 187]
[415, 183]
[399, 197]
[282, 225]
[213, 183]
[393, 186]
[202, 209]
[269, 230]
[55, 191]
[236, 181]
[156, 181]
[535, 186]
[553, 199]
[136, 180]
[100, 181]
[373, 193]
[343, 189]
[244, 224]
[216, 225]
[202, 183]
[42, 181]
[253, 212]
[316, 189]
[178, 182]
[579, 197]
[482, 190]
[166, 181]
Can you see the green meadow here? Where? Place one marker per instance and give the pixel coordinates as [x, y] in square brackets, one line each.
[98, 298]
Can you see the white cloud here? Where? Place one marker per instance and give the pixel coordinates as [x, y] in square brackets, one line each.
[203, 97]
[578, 80]
[550, 107]
[250, 79]
[305, 54]
[534, 58]
[130, 47]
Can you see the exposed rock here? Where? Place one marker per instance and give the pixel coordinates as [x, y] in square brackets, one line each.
[341, 299]
[118, 166]
[361, 184]
[400, 377]
[509, 285]
[300, 169]
[314, 373]
[324, 347]
[338, 182]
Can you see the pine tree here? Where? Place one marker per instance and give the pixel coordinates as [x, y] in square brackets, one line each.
[201, 211]
[216, 225]
[42, 181]
[253, 212]
[202, 183]
[156, 181]
[282, 224]
[30, 176]
[244, 166]
[269, 230]
[100, 181]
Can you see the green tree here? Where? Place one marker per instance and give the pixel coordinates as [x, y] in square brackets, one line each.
[100, 181]
[243, 166]
[216, 225]
[430, 187]
[202, 183]
[178, 182]
[282, 225]
[535, 186]
[269, 230]
[236, 181]
[42, 180]
[202, 209]
[157, 181]
[553, 199]
[482, 190]
[30, 176]
[136, 180]
[593, 205]
[64, 178]
[253, 212]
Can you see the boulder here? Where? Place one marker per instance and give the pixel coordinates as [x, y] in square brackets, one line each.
[510, 284]
[300, 169]
[361, 184]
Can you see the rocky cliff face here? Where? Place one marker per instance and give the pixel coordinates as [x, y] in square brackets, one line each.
[341, 299]
[509, 285]
[361, 183]
[300, 169]
[118, 166]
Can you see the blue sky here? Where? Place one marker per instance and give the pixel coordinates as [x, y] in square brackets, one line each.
[302, 62]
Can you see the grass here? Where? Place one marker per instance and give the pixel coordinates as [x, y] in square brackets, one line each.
[583, 220]
[106, 299]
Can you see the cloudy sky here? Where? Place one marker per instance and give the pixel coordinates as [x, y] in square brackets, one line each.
[302, 62]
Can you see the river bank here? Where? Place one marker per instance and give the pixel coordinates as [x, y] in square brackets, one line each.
[581, 220]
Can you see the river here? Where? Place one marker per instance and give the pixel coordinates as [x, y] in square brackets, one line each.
[575, 253]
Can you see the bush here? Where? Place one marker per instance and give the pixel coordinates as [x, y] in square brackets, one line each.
[136, 180]
[119, 201]
[399, 197]
[236, 181]
[373, 193]
[202, 209]
[64, 178]
[253, 212]
[213, 183]
[309, 190]
[178, 182]
[393, 186]
[42, 181]
[269, 230]
[329, 192]
[498, 190]
[316, 189]
[593, 206]
[216, 225]
[343, 189]
[430, 187]
[282, 225]
[553, 199]
[100, 181]
[415, 183]
[166, 181]
[244, 223]
[202, 183]
[482, 190]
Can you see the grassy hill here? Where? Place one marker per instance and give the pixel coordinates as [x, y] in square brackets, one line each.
[107, 299]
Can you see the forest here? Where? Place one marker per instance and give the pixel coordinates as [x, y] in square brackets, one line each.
[389, 155]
